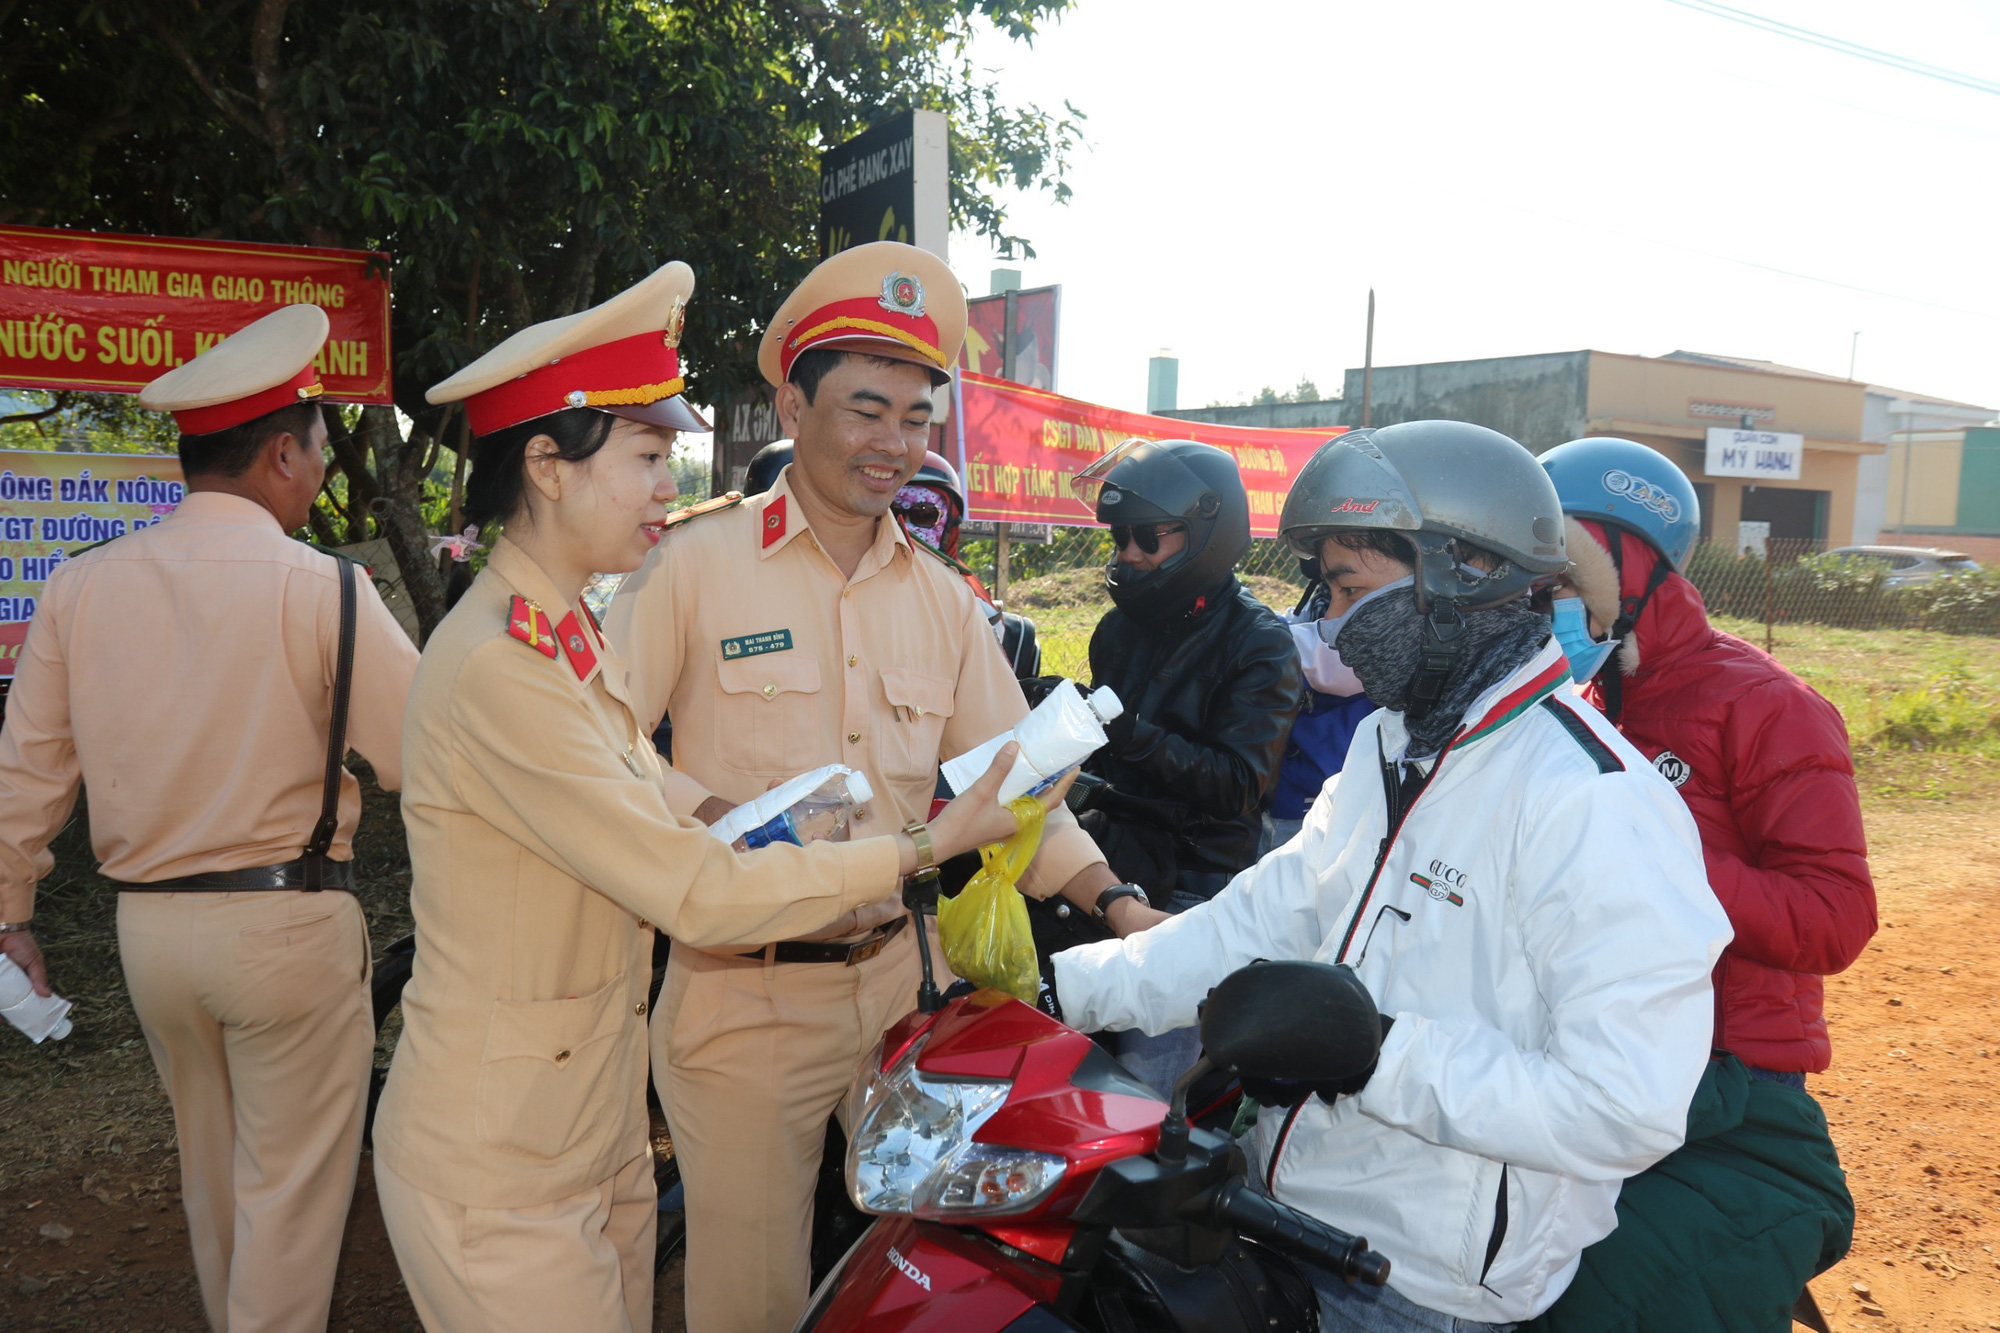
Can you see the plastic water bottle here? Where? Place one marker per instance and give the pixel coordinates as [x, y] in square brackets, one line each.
[811, 807]
[1063, 730]
[40, 1016]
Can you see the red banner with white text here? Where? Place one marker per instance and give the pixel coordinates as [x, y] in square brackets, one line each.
[110, 313]
[1021, 446]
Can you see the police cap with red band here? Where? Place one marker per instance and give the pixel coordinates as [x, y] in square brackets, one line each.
[256, 370]
[621, 357]
[882, 299]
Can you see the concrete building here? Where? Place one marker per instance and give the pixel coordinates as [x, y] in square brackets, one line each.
[1889, 414]
[1669, 403]
[1944, 490]
[1268, 416]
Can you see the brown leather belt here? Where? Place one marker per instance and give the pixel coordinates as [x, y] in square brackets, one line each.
[848, 954]
[308, 873]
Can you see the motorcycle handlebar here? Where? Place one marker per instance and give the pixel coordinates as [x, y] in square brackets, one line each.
[1261, 1217]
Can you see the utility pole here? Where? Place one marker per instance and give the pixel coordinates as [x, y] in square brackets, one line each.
[1009, 370]
[1368, 367]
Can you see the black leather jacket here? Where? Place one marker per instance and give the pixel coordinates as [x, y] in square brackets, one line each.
[1214, 694]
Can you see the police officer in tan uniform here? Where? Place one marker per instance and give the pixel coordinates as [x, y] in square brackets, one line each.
[185, 674]
[802, 628]
[512, 1150]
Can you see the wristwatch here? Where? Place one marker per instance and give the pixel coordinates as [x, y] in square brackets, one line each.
[920, 834]
[1113, 894]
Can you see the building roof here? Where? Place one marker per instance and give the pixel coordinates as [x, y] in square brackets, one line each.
[1777, 368]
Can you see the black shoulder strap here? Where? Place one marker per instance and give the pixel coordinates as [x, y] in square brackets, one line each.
[1602, 755]
[336, 736]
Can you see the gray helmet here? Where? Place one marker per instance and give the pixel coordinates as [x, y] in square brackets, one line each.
[1435, 483]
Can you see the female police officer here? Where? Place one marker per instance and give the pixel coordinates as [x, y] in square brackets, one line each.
[511, 1148]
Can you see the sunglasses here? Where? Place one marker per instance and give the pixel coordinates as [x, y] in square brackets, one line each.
[922, 514]
[1146, 536]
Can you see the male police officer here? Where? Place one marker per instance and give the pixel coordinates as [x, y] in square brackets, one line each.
[798, 629]
[186, 675]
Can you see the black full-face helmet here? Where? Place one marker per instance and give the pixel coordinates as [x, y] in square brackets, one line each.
[1170, 481]
[765, 465]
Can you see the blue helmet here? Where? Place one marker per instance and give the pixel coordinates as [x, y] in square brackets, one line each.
[1626, 484]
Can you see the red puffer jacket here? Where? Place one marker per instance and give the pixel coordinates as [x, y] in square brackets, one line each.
[1764, 765]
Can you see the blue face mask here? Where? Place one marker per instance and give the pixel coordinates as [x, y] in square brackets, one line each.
[1586, 655]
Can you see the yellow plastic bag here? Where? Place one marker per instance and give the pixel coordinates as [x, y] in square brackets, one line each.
[984, 930]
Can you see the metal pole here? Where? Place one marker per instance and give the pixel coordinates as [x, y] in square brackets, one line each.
[1903, 502]
[1767, 595]
[1368, 367]
[1853, 348]
[1009, 338]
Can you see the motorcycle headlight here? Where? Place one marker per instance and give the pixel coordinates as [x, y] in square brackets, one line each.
[912, 1150]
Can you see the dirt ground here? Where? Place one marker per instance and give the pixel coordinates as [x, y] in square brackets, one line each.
[1915, 1086]
[92, 1235]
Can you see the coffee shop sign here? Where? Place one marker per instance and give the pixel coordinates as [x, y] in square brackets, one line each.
[1762, 455]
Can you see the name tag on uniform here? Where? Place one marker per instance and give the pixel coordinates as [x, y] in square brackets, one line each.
[749, 645]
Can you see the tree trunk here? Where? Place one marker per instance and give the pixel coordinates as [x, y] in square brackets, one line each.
[398, 509]
[350, 450]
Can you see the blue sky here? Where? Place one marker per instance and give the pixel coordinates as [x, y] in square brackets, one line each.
[1535, 176]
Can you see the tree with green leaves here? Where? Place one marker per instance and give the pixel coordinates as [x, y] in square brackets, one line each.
[518, 159]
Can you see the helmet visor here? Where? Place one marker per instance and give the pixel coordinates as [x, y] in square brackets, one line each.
[1346, 485]
[1166, 487]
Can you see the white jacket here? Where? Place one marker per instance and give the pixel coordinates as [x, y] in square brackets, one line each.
[1542, 931]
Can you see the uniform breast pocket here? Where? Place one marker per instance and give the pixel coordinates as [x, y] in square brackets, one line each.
[546, 1077]
[767, 712]
[919, 703]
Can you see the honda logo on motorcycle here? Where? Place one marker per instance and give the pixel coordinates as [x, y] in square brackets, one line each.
[908, 1269]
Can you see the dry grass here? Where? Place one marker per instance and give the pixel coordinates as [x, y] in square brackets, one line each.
[1922, 708]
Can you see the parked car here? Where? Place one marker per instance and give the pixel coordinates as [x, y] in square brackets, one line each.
[1910, 564]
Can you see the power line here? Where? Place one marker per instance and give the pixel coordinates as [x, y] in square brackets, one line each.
[1840, 45]
[1784, 272]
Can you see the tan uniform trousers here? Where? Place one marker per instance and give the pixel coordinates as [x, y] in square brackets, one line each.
[256, 1009]
[580, 1264]
[751, 1058]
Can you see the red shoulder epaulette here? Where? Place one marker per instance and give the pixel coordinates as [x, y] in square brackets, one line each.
[532, 626]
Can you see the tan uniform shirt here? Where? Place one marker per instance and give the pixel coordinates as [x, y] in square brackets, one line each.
[771, 663]
[185, 673]
[541, 845]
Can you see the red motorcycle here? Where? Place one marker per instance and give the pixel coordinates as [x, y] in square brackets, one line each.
[1024, 1181]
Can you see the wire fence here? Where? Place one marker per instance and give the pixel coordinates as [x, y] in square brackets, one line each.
[1800, 582]
[1059, 585]
[1082, 548]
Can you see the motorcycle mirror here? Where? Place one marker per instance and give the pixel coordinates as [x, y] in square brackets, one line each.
[1304, 1022]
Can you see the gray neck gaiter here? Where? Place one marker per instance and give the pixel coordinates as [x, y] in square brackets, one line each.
[1383, 642]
